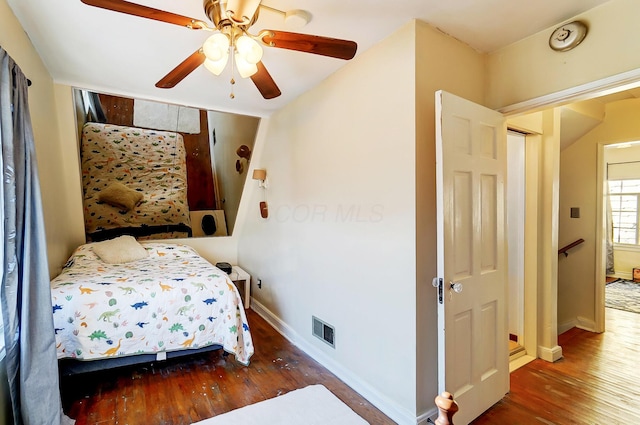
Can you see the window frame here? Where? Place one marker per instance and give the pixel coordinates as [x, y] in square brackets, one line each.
[623, 245]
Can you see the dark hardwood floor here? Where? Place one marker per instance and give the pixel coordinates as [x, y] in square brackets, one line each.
[597, 381]
[182, 391]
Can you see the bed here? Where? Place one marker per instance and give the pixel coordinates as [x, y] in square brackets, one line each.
[122, 301]
[134, 182]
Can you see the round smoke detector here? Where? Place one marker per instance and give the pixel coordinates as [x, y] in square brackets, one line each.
[567, 36]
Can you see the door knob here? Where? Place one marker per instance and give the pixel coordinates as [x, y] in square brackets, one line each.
[456, 287]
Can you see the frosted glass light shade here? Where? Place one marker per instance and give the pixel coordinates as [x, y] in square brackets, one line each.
[216, 67]
[216, 47]
[249, 49]
[245, 69]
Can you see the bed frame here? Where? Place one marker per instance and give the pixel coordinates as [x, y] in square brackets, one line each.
[68, 367]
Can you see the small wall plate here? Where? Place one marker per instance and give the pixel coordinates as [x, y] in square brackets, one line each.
[567, 36]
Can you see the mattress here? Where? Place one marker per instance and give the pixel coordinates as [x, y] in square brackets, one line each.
[171, 300]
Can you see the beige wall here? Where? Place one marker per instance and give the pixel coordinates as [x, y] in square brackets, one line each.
[361, 142]
[576, 286]
[624, 261]
[528, 68]
[458, 70]
[58, 184]
[339, 242]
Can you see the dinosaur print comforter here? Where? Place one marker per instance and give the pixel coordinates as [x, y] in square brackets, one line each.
[172, 300]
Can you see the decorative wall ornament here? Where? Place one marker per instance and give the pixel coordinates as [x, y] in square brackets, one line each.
[244, 152]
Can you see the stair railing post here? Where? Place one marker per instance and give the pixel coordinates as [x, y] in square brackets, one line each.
[447, 407]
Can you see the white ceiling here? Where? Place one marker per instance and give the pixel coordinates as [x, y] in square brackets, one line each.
[106, 51]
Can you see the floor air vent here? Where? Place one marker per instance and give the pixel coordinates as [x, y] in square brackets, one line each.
[324, 331]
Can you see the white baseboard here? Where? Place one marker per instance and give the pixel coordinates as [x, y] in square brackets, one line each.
[624, 275]
[388, 407]
[550, 354]
[424, 418]
[586, 324]
[519, 362]
[563, 327]
[579, 322]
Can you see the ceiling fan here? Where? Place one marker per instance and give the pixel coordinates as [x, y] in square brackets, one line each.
[231, 23]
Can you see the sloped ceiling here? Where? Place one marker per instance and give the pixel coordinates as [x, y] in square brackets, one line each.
[106, 51]
[579, 118]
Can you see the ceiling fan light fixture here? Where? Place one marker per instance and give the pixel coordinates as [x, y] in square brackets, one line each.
[216, 47]
[249, 49]
[241, 12]
[232, 19]
[245, 69]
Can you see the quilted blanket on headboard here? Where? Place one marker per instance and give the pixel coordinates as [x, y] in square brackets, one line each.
[134, 182]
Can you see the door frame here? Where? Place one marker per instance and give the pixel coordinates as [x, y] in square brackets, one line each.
[618, 82]
[601, 234]
[601, 250]
[533, 143]
[516, 151]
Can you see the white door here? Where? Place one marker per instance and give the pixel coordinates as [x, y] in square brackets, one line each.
[472, 264]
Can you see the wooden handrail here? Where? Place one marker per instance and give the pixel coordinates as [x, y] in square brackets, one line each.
[568, 247]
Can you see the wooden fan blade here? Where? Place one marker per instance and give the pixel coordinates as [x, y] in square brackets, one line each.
[265, 84]
[325, 46]
[185, 68]
[146, 12]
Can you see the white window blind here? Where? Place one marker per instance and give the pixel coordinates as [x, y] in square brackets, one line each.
[624, 196]
[623, 170]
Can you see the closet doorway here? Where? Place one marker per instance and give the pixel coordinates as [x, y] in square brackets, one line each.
[515, 240]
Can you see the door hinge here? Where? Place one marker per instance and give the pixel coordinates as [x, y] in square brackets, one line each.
[437, 283]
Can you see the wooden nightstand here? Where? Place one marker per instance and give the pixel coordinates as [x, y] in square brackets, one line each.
[239, 275]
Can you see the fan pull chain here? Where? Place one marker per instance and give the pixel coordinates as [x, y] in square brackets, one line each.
[233, 81]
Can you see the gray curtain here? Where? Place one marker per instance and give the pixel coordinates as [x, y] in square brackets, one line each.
[31, 364]
[609, 236]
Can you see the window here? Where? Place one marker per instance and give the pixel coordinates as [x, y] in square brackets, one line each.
[623, 195]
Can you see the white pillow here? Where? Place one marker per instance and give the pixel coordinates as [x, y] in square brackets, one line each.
[123, 249]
